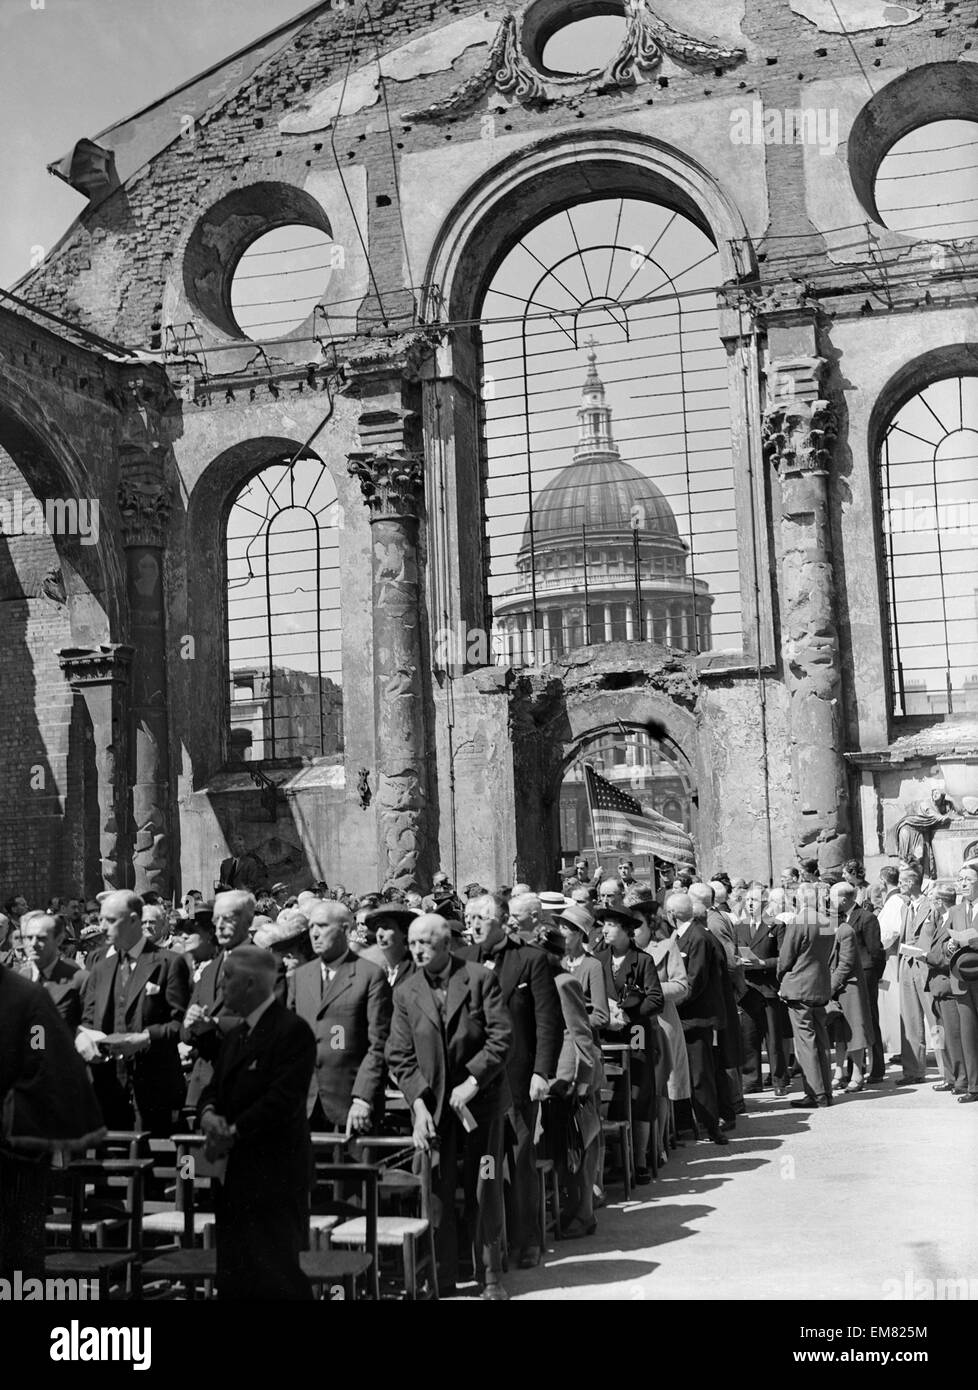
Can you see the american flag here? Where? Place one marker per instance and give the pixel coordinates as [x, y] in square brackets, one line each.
[620, 823]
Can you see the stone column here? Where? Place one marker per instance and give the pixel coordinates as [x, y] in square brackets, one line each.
[392, 486]
[799, 431]
[101, 676]
[390, 469]
[145, 508]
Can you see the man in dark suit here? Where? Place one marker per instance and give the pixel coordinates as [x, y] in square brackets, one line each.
[346, 1001]
[756, 941]
[243, 870]
[137, 996]
[703, 1009]
[962, 925]
[207, 1013]
[944, 1009]
[254, 1113]
[64, 980]
[805, 982]
[866, 927]
[912, 977]
[530, 996]
[447, 1052]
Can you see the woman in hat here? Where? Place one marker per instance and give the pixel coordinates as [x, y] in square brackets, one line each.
[635, 1001]
[575, 1121]
[574, 922]
[672, 1074]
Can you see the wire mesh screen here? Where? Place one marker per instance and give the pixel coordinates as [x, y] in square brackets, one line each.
[283, 614]
[610, 506]
[929, 484]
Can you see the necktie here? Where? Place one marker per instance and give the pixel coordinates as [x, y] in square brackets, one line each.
[125, 970]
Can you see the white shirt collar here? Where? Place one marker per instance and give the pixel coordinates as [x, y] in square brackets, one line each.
[683, 927]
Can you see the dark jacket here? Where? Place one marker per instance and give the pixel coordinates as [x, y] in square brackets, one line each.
[159, 991]
[351, 1022]
[66, 986]
[865, 924]
[704, 1007]
[803, 961]
[260, 1085]
[761, 938]
[636, 989]
[46, 1098]
[428, 1060]
[245, 871]
[526, 982]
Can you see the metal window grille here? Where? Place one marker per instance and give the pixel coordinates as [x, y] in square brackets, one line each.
[606, 426]
[928, 479]
[283, 615]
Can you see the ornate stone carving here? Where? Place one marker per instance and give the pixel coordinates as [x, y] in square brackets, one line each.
[799, 427]
[104, 665]
[364, 793]
[513, 73]
[145, 510]
[53, 587]
[392, 484]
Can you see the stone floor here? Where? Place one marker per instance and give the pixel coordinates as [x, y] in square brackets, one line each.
[875, 1198]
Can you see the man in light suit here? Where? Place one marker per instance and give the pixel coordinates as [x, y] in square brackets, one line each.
[963, 931]
[137, 996]
[63, 979]
[804, 979]
[912, 979]
[346, 1001]
[449, 1041]
[254, 1113]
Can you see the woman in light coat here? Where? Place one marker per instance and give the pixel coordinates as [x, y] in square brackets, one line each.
[674, 1084]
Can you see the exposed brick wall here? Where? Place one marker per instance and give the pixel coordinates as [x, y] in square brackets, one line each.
[240, 138]
[35, 843]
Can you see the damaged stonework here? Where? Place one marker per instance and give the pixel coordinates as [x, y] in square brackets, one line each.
[619, 666]
[799, 430]
[515, 72]
[854, 16]
[431, 53]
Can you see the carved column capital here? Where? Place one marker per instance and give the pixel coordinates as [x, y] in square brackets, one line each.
[145, 511]
[800, 423]
[392, 484]
[107, 664]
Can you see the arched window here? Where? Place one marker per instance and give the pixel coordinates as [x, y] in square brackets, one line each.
[928, 480]
[607, 426]
[283, 615]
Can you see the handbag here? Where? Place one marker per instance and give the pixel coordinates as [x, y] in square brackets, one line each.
[569, 1137]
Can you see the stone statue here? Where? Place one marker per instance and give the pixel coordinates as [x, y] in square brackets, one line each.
[916, 829]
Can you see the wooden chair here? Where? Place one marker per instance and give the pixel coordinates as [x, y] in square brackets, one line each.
[617, 1061]
[102, 1264]
[191, 1228]
[393, 1231]
[366, 1177]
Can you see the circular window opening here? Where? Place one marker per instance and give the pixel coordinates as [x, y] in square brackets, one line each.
[584, 45]
[280, 279]
[927, 183]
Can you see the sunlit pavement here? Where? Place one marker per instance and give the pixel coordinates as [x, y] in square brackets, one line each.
[874, 1198]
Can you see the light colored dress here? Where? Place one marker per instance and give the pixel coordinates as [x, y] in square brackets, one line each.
[675, 988]
[890, 917]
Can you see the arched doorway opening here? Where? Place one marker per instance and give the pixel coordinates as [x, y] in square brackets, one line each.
[650, 770]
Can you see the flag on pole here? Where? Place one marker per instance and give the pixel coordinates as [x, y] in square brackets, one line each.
[619, 823]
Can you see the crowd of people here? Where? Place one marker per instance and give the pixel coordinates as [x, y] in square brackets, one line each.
[511, 1023]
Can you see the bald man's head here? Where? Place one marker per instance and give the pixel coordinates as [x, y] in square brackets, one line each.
[329, 925]
[679, 908]
[248, 979]
[430, 942]
[701, 893]
[234, 913]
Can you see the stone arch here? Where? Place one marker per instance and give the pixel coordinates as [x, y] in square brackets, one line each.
[555, 173]
[204, 597]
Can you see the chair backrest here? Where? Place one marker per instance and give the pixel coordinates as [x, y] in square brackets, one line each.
[84, 1170]
[192, 1166]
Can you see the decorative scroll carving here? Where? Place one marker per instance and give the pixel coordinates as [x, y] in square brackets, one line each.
[145, 512]
[269, 792]
[53, 587]
[363, 788]
[392, 484]
[513, 73]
